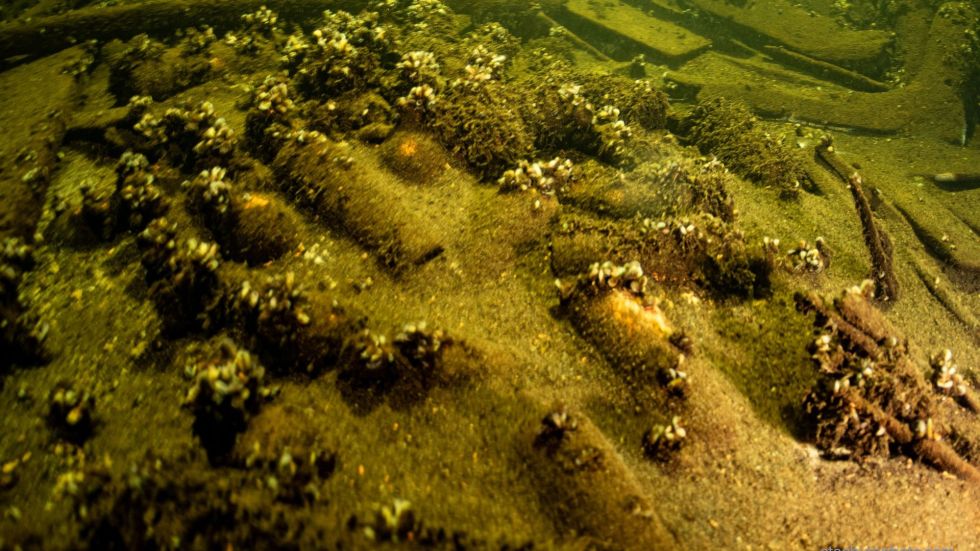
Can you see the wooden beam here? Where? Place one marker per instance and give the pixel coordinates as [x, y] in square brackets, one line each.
[47, 35]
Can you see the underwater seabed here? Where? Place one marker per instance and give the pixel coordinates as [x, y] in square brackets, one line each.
[397, 275]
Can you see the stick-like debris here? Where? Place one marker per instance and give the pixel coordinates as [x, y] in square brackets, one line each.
[879, 246]
[935, 452]
[871, 399]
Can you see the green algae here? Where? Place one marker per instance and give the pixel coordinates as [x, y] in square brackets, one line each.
[764, 344]
[457, 452]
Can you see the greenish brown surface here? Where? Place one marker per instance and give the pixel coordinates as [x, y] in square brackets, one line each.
[746, 478]
[801, 30]
[666, 40]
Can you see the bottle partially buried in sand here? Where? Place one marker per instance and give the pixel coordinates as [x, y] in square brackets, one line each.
[323, 175]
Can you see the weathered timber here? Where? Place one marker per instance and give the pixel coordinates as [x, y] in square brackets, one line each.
[46, 35]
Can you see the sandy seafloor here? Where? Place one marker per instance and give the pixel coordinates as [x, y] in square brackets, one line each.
[459, 447]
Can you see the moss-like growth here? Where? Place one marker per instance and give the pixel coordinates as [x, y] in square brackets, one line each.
[183, 278]
[871, 399]
[365, 114]
[480, 125]
[415, 156]
[192, 137]
[728, 130]
[672, 187]
[226, 390]
[700, 250]
[564, 116]
[71, 412]
[344, 54]
[21, 333]
[638, 101]
[145, 67]
[269, 120]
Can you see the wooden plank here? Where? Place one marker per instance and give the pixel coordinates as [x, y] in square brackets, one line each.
[36, 99]
[50, 34]
[927, 106]
[799, 30]
[772, 92]
[834, 73]
[661, 40]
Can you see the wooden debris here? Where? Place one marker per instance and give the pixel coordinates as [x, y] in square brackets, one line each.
[871, 398]
[798, 30]
[546, 19]
[928, 106]
[877, 241]
[936, 452]
[828, 71]
[827, 317]
[34, 132]
[46, 35]
[953, 181]
[632, 31]
[878, 244]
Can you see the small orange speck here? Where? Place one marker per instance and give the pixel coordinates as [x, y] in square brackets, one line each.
[408, 148]
[256, 201]
[360, 470]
